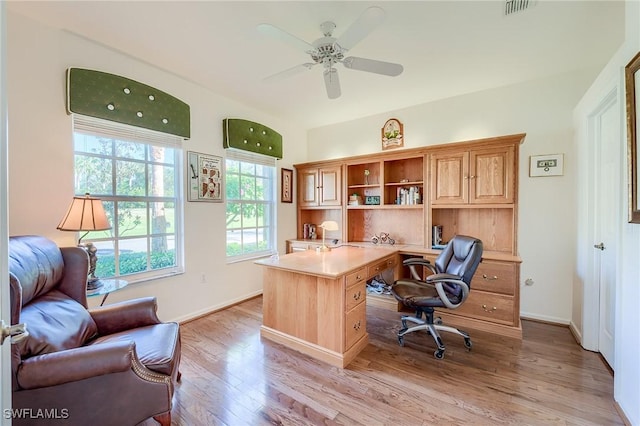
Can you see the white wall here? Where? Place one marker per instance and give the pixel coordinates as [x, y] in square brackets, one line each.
[41, 162]
[627, 303]
[541, 109]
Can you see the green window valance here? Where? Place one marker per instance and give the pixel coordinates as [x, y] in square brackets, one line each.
[249, 136]
[115, 98]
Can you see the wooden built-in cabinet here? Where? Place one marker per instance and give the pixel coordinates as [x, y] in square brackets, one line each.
[476, 176]
[468, 188]
[319, 199]
[320, 186]
[494, 300]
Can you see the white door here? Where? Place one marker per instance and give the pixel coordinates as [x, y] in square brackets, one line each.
[607, 201]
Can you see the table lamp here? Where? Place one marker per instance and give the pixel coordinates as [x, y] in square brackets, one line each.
[86, 214]
[327, 225]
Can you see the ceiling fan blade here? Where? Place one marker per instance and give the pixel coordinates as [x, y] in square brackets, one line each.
[289, 72]
[280, 34]
[332, 83]
[371, 65]
[370, 19]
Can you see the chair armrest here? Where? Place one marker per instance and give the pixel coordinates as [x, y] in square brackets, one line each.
[437, 279]
[75, 364]
[125, 315]
[418, 261]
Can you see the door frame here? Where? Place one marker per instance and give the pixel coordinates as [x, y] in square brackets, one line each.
[5, 311]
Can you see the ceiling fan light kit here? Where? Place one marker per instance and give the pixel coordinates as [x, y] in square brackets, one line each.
[330, 51]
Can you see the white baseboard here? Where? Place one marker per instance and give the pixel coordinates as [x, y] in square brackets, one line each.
[545, 318]
[212, 309]
[576, 333]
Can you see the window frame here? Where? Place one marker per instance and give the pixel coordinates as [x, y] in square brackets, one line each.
[122, 132]
[269, 202]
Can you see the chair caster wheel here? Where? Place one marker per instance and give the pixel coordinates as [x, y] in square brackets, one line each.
[439, 354]
[468, 344]
[401, 340]
[438, 321]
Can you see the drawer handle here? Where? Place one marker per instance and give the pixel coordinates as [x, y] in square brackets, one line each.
[356, 296]
[492, 310]
[357, 325]
[493, 278]
[358, 277]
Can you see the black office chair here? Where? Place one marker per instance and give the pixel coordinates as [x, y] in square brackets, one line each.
[448, 287]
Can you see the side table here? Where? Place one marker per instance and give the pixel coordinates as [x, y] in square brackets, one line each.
[108, 286]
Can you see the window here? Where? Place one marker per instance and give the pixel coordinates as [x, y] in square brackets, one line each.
[136, 172]
[250, 200]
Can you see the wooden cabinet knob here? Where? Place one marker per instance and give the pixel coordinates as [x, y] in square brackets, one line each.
[484, 276]
[492, 310]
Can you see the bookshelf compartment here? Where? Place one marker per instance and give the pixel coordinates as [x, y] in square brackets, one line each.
[405, 226]
[404, 181]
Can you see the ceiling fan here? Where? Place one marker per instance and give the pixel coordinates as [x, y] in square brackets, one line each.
[330, 51]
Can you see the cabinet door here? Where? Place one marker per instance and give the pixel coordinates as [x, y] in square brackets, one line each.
[308, 187]
[330, 186]
[491, 176]
[449, 178]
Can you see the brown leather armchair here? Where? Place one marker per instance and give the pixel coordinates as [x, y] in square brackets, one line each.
[113, 365]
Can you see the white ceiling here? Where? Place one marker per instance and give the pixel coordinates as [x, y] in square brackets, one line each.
[447, 48]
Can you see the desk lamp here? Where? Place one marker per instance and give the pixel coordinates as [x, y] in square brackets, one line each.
[86, 214]
[327, 225]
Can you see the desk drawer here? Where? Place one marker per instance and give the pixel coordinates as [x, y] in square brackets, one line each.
[356, 277]
[356, 324]
[496, 277]
[380, 266]
[490, 307]
[355, 294]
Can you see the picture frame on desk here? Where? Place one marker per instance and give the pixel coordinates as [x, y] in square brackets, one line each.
[372, 200]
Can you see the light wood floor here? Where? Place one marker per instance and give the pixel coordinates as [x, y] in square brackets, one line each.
[230, 376]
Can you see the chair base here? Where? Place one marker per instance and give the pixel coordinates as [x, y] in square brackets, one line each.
[432, 327]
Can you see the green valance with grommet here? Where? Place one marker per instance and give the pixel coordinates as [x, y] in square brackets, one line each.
[249, 136]
[115, 98]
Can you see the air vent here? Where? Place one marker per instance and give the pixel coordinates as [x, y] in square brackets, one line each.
[513, 6]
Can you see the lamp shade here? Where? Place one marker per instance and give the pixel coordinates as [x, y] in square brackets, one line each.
[329, 225]
[85, 214]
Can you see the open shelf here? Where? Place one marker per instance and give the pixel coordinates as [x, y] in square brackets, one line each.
[494, 226]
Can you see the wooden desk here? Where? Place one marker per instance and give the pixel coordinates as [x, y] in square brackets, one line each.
[315, 302]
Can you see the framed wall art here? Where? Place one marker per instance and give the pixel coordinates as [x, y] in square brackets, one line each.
[286, 193]
[392, 134]
[546, 165]
[632, 83]
[205, 176]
